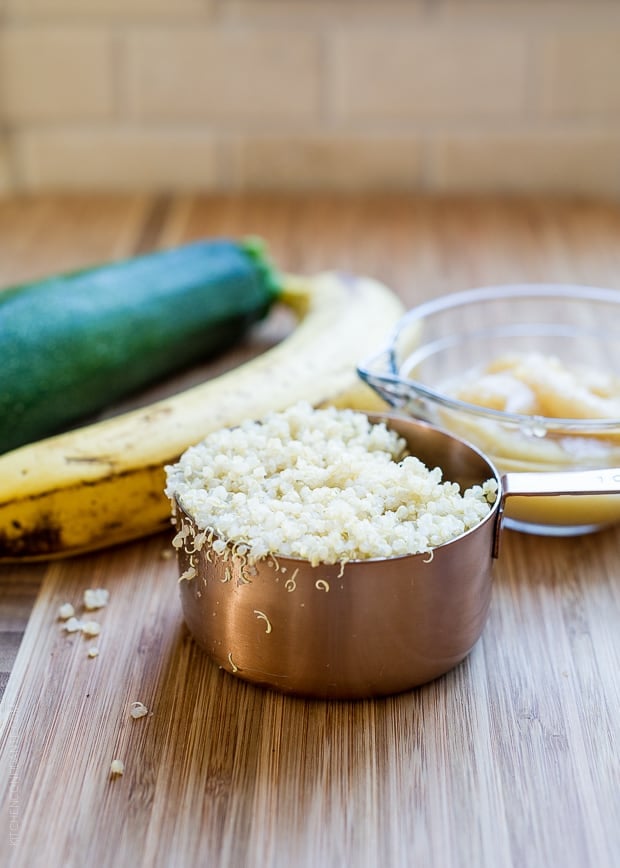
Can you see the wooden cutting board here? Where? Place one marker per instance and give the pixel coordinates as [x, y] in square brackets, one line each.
[509, 760]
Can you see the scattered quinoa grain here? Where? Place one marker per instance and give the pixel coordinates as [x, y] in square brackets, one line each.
[93, 652]
[137, 710]
[73, 625]
[96, 598]
[91, 628]
[117, 767]
[66, 611]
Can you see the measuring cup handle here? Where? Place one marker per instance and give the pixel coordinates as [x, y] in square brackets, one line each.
[553, 483]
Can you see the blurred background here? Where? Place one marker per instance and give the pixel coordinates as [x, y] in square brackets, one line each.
[365, 95]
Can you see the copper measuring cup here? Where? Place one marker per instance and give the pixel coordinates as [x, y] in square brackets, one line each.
[372, 627]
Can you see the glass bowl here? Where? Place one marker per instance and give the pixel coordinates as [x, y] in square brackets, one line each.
[565, 341]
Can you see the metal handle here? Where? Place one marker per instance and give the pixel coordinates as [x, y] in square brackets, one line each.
[525, 484]
[556, 483]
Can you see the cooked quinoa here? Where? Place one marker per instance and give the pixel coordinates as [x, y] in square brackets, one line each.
[324, 485]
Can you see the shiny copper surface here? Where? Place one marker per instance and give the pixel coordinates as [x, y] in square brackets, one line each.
[372, 628]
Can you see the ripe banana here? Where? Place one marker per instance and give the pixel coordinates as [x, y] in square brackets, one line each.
[103, 484]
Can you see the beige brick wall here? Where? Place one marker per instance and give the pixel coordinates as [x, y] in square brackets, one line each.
[446, 95]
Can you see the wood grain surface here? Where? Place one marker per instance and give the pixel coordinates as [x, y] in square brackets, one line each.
[512, 759]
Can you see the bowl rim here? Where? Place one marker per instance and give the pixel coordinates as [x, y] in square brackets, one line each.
[526, 422]
[508, 290]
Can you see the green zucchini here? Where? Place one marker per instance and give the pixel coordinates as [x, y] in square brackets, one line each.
[73, 344]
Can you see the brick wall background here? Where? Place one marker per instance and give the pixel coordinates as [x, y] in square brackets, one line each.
[433, 95]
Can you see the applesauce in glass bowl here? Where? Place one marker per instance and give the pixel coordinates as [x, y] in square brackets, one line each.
[529, 374]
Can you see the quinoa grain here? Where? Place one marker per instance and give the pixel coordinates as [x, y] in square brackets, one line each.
[324, 485]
